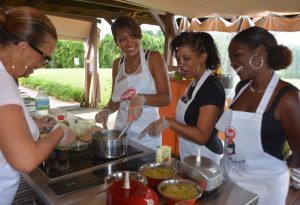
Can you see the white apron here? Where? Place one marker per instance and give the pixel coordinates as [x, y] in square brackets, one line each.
[187, 147]
[124, 90]
[245, 162]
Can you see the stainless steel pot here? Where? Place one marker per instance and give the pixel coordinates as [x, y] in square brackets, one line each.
[106, 144]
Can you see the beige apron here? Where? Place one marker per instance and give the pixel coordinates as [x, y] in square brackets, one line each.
[245, 162]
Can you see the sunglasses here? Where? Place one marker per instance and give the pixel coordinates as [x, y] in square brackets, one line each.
[46, 58]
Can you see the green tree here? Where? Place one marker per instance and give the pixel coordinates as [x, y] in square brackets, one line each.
[65, 52]
[108, 51]
[153, 41]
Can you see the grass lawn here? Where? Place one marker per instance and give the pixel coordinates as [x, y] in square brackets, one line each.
[75, 77]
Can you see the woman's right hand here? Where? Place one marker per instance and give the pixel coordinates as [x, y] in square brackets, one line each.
[68, 138]
[102, 117]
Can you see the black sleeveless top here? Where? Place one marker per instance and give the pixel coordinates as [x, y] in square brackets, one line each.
[273, 136]
[210, 93]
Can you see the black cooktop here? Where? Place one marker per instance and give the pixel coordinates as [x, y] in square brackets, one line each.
[84, 181]
[61, 163]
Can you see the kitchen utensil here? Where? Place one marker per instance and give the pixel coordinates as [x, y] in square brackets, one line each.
[127, 125]
[180, 190]
[129, 191]
[157, 172]
[108, 144]
[206, 172]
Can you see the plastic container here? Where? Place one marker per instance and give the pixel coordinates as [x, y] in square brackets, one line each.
[42, 102]
[163, 154]
[61, 119]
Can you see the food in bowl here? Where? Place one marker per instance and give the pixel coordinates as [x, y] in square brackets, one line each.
[156, 172]
[162, 172]
[180, 190]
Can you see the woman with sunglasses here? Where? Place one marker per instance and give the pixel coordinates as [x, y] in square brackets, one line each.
[27, 39]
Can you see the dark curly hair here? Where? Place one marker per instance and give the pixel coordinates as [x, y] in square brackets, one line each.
[200, 42]
[279, 56]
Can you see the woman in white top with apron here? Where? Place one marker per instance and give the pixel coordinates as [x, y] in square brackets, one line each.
[20, 54]
[203, 102]
[141, 84]
[264, 113]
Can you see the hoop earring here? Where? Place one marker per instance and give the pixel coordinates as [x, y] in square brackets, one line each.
[13, 67]
[26, 67]
[256, 67]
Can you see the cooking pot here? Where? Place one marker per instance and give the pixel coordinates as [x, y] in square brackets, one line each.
[206, 172]
[107, 144]
[117, 176]
[137, 193]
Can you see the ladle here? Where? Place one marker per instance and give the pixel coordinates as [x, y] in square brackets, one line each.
[124, 129]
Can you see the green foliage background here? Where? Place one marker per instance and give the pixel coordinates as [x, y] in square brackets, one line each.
[66, 51]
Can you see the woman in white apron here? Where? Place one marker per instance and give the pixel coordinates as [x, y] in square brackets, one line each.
[203, 102]
[264, 112]
[140, 84]
[20, 54]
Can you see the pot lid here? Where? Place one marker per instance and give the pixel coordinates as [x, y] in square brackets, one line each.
[206, 166]
[137, 190]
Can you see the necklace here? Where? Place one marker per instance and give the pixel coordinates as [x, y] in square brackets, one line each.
[133, 65]
[257, 91]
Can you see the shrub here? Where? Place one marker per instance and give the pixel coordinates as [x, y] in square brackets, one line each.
[63, 92]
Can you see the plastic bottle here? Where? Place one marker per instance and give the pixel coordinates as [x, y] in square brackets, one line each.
[61, 119]
[42, 103]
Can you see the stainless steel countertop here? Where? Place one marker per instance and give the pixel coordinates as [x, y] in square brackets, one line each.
[227, 194]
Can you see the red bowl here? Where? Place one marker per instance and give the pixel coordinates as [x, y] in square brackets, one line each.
[180, 190]
[157, 172]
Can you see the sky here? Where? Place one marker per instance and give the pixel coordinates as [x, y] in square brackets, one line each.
[105, 28]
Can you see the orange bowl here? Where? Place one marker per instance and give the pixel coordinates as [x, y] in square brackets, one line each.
[180, 190]
[157, 172]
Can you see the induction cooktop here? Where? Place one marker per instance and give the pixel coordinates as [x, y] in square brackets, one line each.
[61, 163]
[84, 181]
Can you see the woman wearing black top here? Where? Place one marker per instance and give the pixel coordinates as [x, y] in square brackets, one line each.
[203, 102]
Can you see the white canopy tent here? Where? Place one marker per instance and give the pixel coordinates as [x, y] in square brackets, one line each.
[200, 8]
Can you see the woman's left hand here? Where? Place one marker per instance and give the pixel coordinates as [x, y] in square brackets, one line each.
[156, 127]
[45, 123]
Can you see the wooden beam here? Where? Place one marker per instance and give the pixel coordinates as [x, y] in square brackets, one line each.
[85, 13]
[170, 33]
[109, 21]
[159, 21]
[88, 65]
[110, 3]
[35, 3]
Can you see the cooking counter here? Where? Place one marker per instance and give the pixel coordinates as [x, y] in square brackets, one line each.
[95, 193]
[228, 194]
